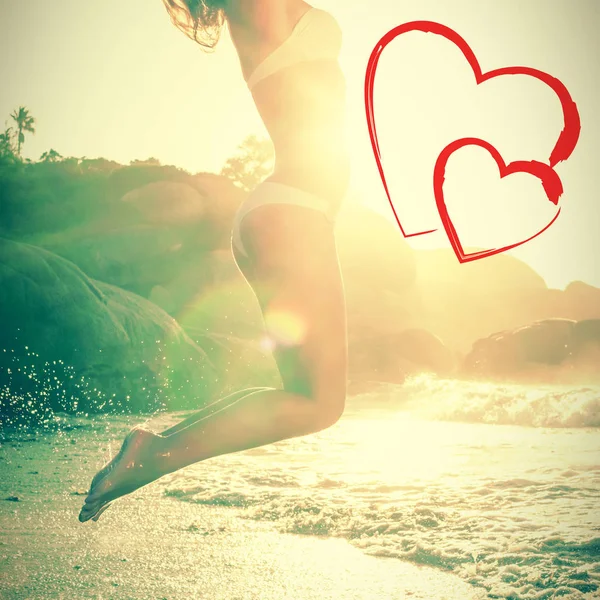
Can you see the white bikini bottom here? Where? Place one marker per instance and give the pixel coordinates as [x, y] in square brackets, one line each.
[270, 192]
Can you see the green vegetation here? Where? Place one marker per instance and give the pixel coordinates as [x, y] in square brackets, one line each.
[57, 193]
[97, 259]
[25, 124]
[251, 164]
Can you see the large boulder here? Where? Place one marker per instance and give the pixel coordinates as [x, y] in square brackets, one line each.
[579, 301]
[425, 350]
[584, 350]
[225, 198]
[89, 345]
[378, 267]
[167, 203]
[586, 333]
[212, 296]
[134, 257]
[394, 356]
[465, 302]
[583, 300]
[158, 224]
[549, 349]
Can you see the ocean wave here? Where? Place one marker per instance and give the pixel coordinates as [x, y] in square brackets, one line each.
[485, 402]
[509, 555]
[508, 509]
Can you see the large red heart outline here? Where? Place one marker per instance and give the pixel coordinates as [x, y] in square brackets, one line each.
[565, 144]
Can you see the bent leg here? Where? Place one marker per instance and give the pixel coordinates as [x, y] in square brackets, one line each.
[210, 409]
[296, 276]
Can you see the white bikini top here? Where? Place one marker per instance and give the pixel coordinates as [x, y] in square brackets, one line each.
[316, 36]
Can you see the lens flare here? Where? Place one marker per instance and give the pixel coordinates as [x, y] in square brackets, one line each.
[267, 344]
[285, 327]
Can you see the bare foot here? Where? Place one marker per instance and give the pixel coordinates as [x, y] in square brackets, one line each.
[131, 469]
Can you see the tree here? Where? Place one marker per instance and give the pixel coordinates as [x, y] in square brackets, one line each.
[50, 156]
[7, 149]
[25, 123]
[252, 162]
[142, 163]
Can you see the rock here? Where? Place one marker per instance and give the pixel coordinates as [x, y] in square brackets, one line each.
[135, 257]
[212, 296]
[465, 302]
[394, 356]
[585, 333]
[168, 203]
[425, 350]
[583, 300]
[89, 345]
[584, 355]
[225, 198]
[511, 352]
[378, 268]
[579, 301]
[123, 180]
[372, 250]
[545, 342]
[156, 226]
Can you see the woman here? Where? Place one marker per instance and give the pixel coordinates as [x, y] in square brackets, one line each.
[282, 240]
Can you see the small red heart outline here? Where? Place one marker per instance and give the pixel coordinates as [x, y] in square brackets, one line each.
[545, 173]
[567, 140]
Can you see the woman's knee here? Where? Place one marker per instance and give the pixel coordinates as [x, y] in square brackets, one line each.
[329, 409]
[327, 405]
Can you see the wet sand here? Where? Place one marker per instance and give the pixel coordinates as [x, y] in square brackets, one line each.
[149, 545]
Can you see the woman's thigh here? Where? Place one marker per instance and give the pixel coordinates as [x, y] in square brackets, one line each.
[294, 270]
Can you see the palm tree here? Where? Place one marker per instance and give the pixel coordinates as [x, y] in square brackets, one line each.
[25, 123]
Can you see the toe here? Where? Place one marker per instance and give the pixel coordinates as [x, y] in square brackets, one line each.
[84, 514]
[92, 511]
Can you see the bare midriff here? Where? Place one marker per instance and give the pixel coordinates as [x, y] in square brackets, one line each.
[303, 108]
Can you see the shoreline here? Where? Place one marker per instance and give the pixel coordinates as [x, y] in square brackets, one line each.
[191, 551]
[148, 545]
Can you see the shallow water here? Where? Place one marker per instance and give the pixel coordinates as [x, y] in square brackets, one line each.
[509, 508]
[151, 545]
[484, 489]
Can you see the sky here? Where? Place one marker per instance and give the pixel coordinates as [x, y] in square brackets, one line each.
[115, 79]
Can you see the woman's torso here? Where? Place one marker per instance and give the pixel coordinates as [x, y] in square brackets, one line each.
[302, 105]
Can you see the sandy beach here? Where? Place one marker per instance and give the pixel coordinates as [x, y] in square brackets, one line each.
[150, 545]
[436, 490]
